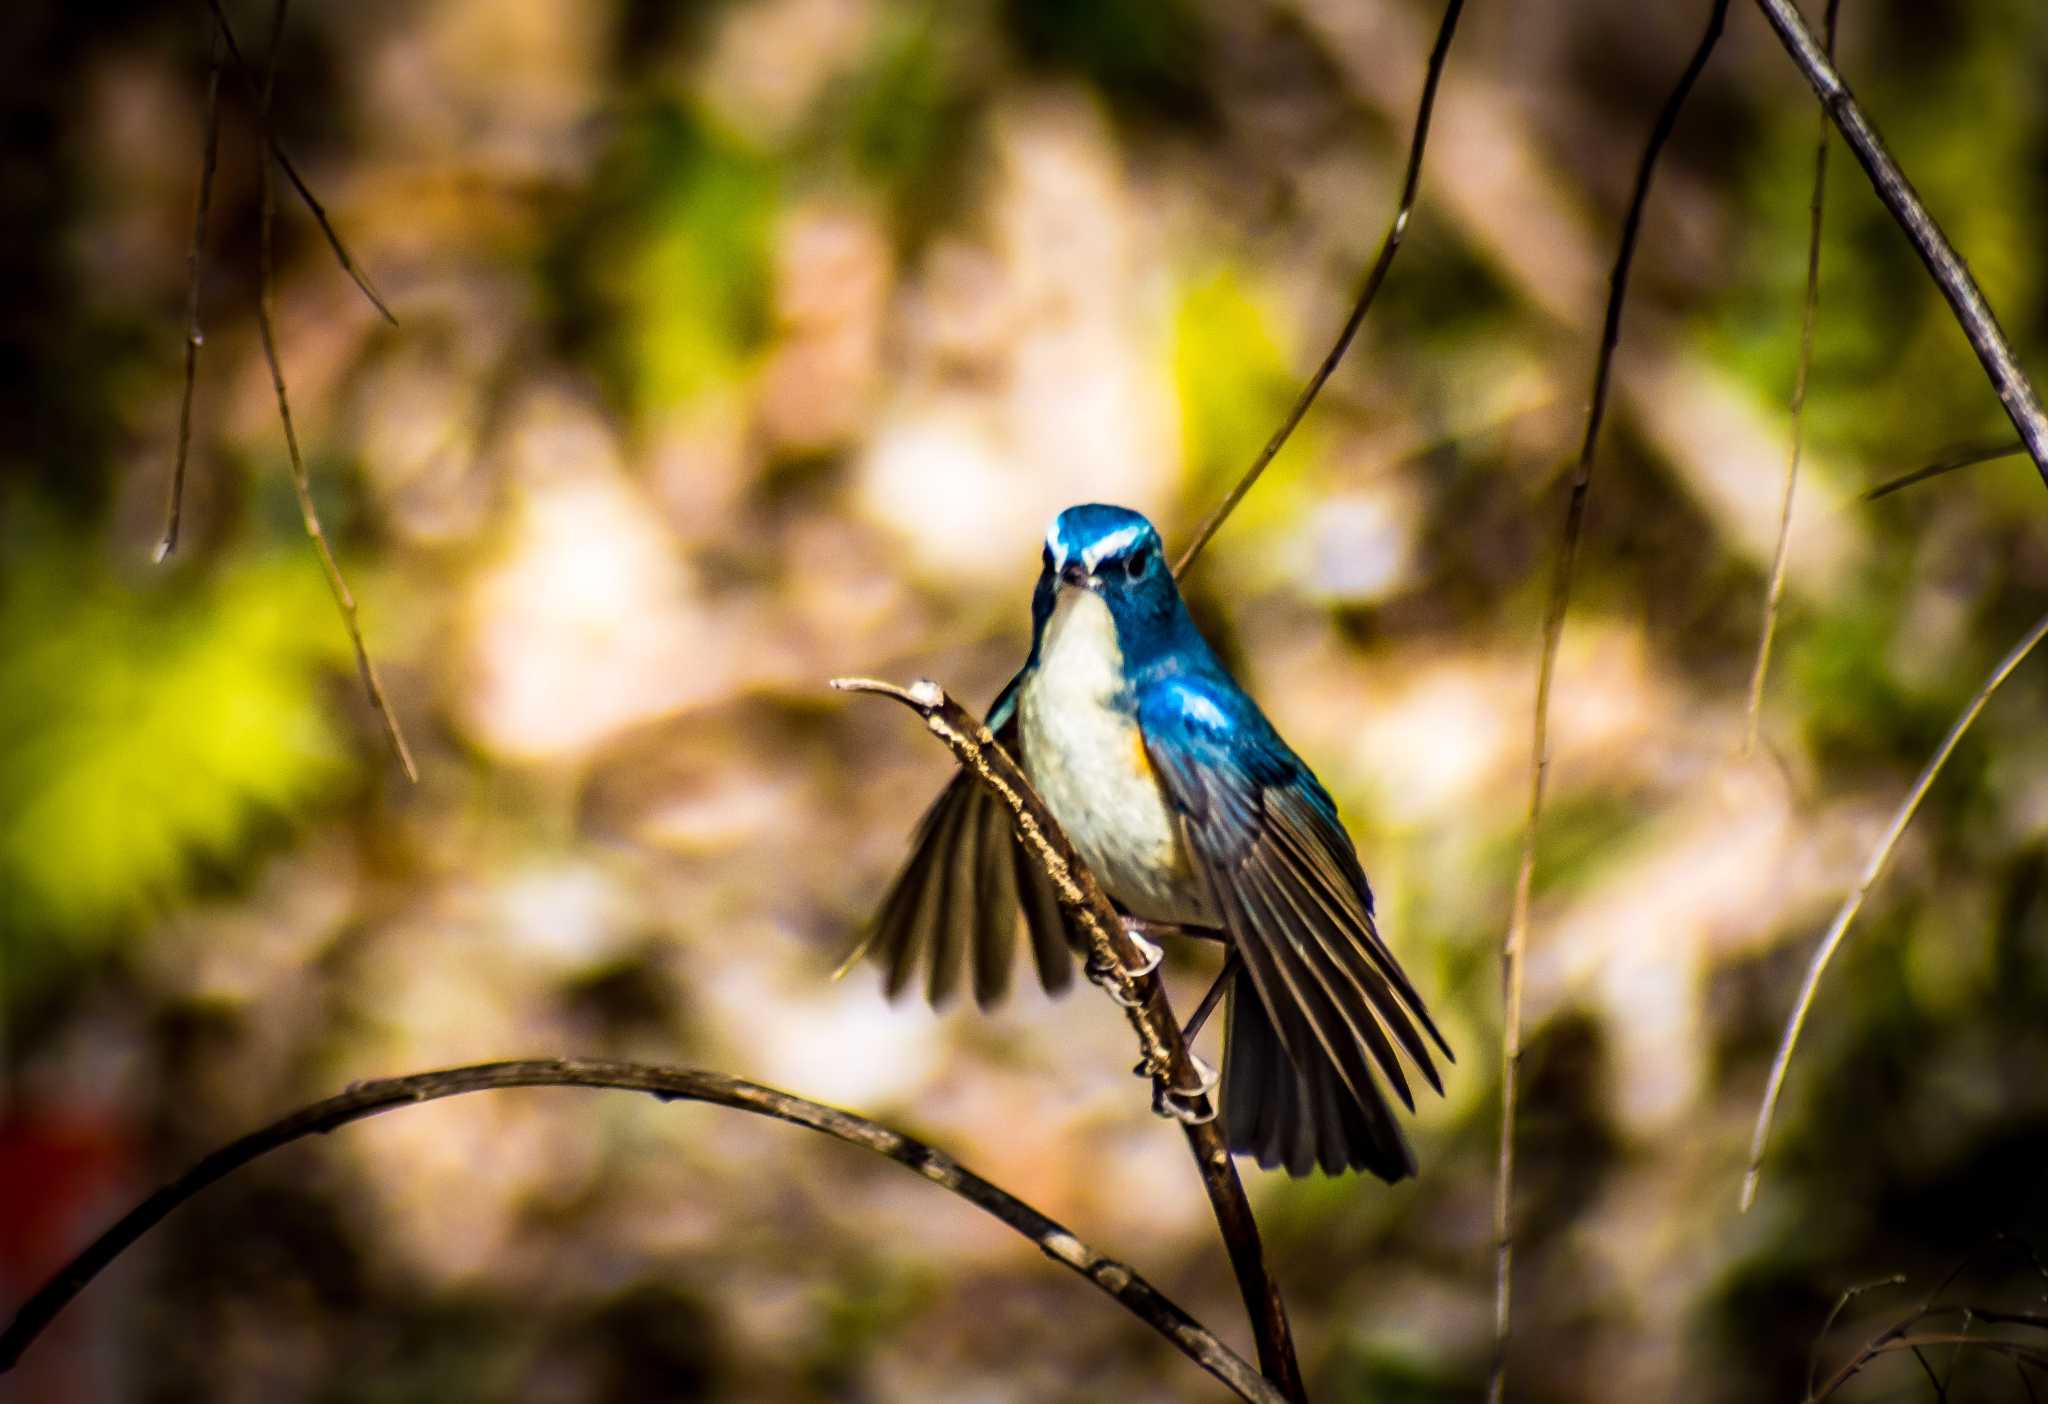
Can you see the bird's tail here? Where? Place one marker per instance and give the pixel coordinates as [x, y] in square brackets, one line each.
[1295, 1117]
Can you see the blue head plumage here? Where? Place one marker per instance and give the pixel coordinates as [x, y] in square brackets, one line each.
[1116, 554]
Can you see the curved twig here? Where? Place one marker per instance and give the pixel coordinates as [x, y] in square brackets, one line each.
[1849, 1294]
[1546, 668]
[2015, 391]
[1377, 275]
[1853, 904]
[1781, 554]
[302, 484]
[2014, 1350]
[1178, 1086]
[1968, 456]
[366, 1099]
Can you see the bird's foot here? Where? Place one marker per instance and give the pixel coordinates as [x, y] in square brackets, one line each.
[1115, 982]
[1152, 954]
[1189, 1105]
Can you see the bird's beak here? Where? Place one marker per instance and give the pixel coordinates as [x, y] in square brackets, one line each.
[1072, 574]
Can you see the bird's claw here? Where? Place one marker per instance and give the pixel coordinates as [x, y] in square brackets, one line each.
[1188, 1108]
[1115, 983]
[1189, 1105]
[1152, 954]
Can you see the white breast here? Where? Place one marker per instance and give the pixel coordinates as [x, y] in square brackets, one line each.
[1086, 758]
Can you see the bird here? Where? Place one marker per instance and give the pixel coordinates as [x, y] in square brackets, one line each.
[1197, 819]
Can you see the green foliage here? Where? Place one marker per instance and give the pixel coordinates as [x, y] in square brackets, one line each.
[676, 257]
[1234, 386]
[896, 125]
[146, 734]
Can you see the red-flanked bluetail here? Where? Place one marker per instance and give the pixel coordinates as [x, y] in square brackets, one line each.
[1193, 814]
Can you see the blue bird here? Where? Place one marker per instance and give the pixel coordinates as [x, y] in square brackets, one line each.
[1196, 818]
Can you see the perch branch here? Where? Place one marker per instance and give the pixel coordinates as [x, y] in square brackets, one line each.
[1119, 1280]
[1781, 554]
[1546, 668]
[2015, 391]
[302, 485]
[1853, 903]
[174, 506]
[1179, 1086]
[1377, 275]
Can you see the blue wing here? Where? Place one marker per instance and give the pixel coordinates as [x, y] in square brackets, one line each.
[962, 887]
[1294, 900]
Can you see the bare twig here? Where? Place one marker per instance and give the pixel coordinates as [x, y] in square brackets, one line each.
[174, 506]
[1898, 1337]
[2015, 391]
[257, 90]
[1377, 275]
[1853, 904]
[1119, 1280]
[1849, 1294]
[1968, 456]
[1885, 1345]
[1781, 554]
[1553, 633]
[266, 315]
[1180, 1087]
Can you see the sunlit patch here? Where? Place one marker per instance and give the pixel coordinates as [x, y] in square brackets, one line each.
[1195, 707]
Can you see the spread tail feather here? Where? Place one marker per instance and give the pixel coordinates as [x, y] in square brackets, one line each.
[1300, 1119]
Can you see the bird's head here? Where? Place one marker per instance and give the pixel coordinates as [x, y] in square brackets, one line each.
[1110, 550]
[1113, 555]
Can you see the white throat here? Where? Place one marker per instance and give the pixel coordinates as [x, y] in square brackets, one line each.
[1084, 754]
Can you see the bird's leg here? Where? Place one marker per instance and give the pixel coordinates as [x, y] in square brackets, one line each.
[1147, 927]
[1208, 1004]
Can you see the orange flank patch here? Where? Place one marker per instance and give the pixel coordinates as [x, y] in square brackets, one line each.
[1142, 758]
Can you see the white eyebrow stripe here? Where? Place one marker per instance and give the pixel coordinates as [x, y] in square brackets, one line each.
[1092, 556]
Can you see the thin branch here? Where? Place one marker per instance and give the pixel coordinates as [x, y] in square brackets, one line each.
[1553, 634]
[266, 315]
[367, 1099]
[1849, 1294]
[1781, 554]
[1853, 904]
[2014, 1350]
[2015, 391]
[1377, 275]
[1968, 456]
[257, 94]
[1180, 1086]
[174, 506]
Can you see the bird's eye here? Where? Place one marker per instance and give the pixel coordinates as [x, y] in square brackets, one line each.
[1138, 562]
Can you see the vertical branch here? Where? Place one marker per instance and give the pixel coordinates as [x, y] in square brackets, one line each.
[1851, 905]
[2022, 402]
[1553, 633]
[174, 506]
[266, 314]
[1377, 275]
[1774, 592]
[1180, 1086]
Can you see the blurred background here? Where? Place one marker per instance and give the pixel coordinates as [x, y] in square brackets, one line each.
[744, 344]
